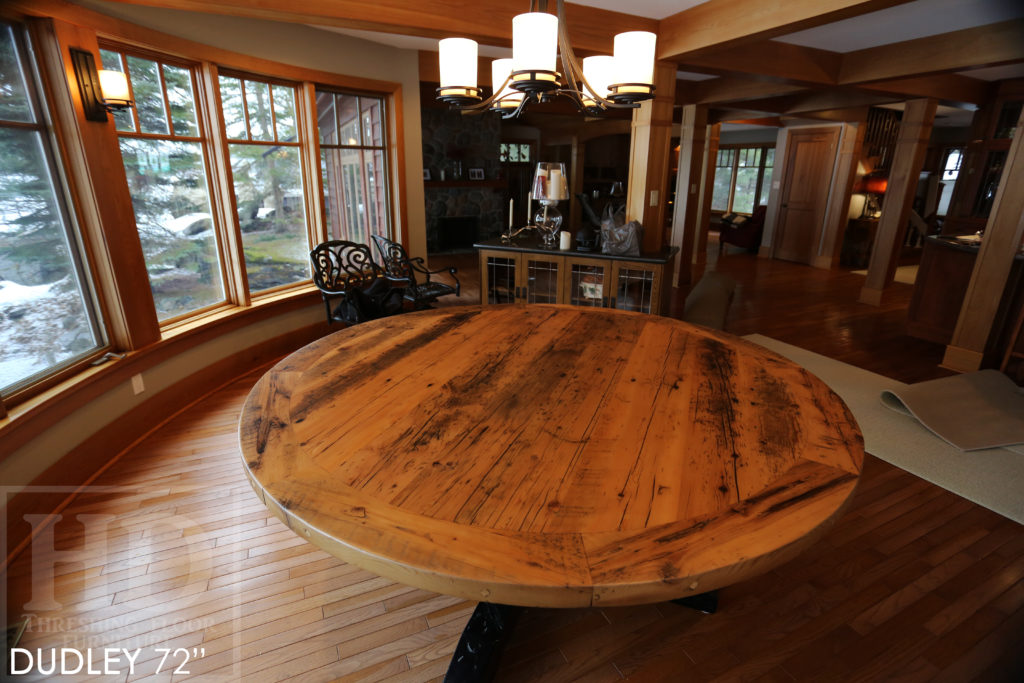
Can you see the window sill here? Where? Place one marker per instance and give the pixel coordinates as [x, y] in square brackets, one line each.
[26, 420]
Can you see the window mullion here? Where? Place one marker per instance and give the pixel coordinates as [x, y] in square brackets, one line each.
[307, 130]
[222, 195]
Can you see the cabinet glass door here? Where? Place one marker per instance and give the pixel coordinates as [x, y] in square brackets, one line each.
[588, 283]
[634, 288]
[500, 277]
[543, 277]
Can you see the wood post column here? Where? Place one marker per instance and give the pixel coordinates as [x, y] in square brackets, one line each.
[689, 185]
[648, 157]
[911, 145]
[1003, 235]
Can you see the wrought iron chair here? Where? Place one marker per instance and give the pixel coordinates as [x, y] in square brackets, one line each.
[346, 272]
[402, 271]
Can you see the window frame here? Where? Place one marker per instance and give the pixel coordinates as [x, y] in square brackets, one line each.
[308, 144]
[203, 118]
[738, 148]
[31, 56]
[384, 148]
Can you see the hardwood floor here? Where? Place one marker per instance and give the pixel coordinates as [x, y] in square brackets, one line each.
[914, 583]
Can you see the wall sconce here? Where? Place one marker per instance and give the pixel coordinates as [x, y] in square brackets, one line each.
[101, 91]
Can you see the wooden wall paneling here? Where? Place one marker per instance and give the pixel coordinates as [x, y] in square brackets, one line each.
[649, 155]
[838, 212]
[100, 190]
[911, 146]
[1004, 233]
[222, 191]
[689, 181]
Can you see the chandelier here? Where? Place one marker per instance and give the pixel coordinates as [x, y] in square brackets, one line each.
[603, 82]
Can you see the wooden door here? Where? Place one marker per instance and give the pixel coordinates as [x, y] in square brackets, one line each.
[810, 156]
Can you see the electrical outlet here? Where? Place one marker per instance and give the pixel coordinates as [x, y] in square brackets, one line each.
[137, 386]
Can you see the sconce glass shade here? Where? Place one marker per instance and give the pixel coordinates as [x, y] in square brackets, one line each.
[458, 62]
[534, 46]
[634, 65]
[508, 98]
[549, 182]
[599, 72]
[114, 89]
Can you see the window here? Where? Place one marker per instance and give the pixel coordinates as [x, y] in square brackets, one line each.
[48, 319]
[742, 178]
[766, 177]
[262, 130]
[514, 152]
[723, 179]
[162, 146]
[353, 162]
[950, 172]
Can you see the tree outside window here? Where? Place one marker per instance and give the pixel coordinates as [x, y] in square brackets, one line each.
[262, 130]
[742, 178]
[47, 317]
[353, 163]
[162, 147]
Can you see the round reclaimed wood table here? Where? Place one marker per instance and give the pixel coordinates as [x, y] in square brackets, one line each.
[550, 456]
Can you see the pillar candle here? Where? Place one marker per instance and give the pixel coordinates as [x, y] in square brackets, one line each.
[564, 240]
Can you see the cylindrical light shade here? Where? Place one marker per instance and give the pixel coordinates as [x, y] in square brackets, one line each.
[458, 65]
[534, 43]
[599, 72]
[114, 88]
[634, 60]
[509, 98]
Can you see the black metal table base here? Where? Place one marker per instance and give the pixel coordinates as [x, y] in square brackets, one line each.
[476, 656]
[488, 629]
[704, 602]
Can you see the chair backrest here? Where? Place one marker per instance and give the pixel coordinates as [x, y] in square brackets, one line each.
[339, 265]
[395, 260]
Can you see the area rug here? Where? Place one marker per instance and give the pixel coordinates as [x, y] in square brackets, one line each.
[993, 477]
[971, 411]
[905, 274]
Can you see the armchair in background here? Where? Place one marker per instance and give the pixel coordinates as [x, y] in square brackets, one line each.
[743, 231]
[401, 271]
[346, 273]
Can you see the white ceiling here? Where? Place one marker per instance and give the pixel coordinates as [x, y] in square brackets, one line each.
[652, 9]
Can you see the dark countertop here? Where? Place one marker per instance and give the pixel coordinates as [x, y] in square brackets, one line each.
[530, 243]
[950, 242]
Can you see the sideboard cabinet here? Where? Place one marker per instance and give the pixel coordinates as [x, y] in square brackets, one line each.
[521, 271]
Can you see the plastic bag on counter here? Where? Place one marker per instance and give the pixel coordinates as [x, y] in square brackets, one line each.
[618, 237]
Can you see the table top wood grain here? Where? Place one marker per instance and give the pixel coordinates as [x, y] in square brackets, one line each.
[550, 455]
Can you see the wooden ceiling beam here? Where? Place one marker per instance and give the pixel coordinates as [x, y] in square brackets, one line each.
[950, 89]
[771, 60]
[726, 23]
[731, 89]
[971, 48]
[487, 21]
